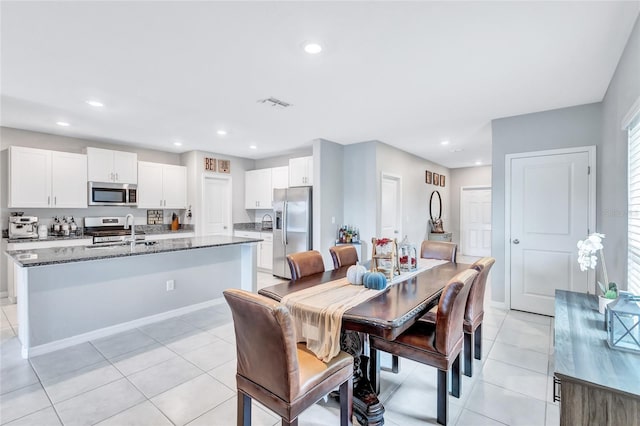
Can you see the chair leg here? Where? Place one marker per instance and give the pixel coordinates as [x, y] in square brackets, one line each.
[244, 409]
[443, 396]
[395, 364]
[374, 370]
[468, 365]
[346, 402]
[455, 377]
[477, 337]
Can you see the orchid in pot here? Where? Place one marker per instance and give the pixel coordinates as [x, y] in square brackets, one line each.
[587, 258]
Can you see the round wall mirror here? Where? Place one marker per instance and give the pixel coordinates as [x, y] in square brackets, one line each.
[435, 206]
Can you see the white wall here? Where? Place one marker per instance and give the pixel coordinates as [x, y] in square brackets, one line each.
[465, 176]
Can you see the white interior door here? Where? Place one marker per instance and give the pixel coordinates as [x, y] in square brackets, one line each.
[475, 221]
[550, 207]
[391, 206]
[216, 217]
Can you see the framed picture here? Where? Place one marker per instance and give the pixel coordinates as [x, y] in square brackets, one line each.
[224, 166]
[427, 176]
[442, 180]
[209, 164]
[436, 179]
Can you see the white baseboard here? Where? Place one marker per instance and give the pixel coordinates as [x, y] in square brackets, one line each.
[114, 329]
[4, 294]
[499, 305]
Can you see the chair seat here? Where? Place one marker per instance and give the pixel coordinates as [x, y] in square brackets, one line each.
[313, 371]
[418, 343]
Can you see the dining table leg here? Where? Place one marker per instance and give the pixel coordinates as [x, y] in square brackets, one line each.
[368, 409]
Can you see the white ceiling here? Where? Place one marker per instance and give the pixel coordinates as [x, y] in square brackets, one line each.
[409, 74]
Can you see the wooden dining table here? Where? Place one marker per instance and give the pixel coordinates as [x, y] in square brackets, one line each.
[387, 314]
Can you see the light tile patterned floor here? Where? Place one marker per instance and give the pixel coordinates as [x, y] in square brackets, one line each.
[182, 371]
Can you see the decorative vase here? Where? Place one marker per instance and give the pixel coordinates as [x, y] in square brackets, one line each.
[602, 303]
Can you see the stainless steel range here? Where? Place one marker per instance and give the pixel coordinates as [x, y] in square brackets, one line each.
[110, 230]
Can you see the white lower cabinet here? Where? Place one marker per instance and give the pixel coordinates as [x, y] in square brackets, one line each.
[265, 247]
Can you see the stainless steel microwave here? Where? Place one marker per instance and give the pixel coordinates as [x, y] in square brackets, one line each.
[113, 194]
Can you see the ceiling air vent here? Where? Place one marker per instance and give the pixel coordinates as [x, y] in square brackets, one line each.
[275, 102]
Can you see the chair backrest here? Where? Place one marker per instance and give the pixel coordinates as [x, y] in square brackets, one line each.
[441, 250]
[450, 313]
[475, 302]
[305, 263]
[265, 342]
[343, 255]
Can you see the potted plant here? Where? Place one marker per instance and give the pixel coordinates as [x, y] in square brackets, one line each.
[587, 251]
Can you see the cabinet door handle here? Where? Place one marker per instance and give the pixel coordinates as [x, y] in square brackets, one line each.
[165, 203]
[49, 200]
[55, 201]
[160, 203]
[117, 177]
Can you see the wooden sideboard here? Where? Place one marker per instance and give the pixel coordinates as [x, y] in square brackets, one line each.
[597, 385]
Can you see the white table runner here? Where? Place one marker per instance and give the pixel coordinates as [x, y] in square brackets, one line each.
[317, 311]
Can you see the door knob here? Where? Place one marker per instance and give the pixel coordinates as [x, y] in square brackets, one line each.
[516, 241]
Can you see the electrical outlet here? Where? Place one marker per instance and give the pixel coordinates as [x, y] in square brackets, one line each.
[171, 285]
[333, 219]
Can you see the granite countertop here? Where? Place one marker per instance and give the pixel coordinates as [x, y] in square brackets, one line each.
[581, 349]
[53, 256]
[49, 238]
[251, 227]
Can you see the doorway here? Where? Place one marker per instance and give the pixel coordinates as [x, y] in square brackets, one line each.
[216, 206]
[390, 206]
[475, 221]
[550, 205]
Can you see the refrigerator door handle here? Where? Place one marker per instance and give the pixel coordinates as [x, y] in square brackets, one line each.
[284, 224]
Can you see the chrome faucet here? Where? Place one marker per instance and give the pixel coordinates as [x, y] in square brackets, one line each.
[133, 227]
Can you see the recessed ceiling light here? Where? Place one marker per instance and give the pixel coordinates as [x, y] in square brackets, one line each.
[444, 143]
[253, 147]
[312, 48]
[96, 104]
[456, 150]
[62, 123]
[478, 163]
[221, 132]
[177, 143]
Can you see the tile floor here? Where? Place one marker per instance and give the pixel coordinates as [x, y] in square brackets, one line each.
[182, 371]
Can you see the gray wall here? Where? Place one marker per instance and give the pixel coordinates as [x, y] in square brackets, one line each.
[623, 90]
[415, 192]
[282, 160]
[328, 198]
[465, 176]
[561, 128]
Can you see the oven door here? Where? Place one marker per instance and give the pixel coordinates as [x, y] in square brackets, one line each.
[110, 194]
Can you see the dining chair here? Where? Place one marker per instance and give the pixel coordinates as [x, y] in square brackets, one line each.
[441, 250]
[276, 371]
[436, 344]
[305, 263]
[343, 255]
[473, 314]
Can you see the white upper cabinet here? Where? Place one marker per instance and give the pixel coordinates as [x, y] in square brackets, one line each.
[280, 177]
[258, 192]
[162, 186]
[43, 178]
[301, 171]
[105, 165]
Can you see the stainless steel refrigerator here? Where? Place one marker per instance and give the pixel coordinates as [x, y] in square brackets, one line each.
[291, 227]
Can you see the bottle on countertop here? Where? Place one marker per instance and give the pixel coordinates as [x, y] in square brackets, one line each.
[56, 225]
[73, 227]
[65, 227]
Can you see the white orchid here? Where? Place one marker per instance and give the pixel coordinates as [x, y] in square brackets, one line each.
[588, 259]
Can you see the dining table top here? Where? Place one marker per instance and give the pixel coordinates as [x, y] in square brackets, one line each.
[389, 313]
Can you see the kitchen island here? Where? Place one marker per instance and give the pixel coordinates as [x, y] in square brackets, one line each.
[69, 295]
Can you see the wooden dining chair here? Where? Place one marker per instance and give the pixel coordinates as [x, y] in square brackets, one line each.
[343, 255]
[441, 250]
[437, 344]
[283, 376]
[305, 263]
[473, 314]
